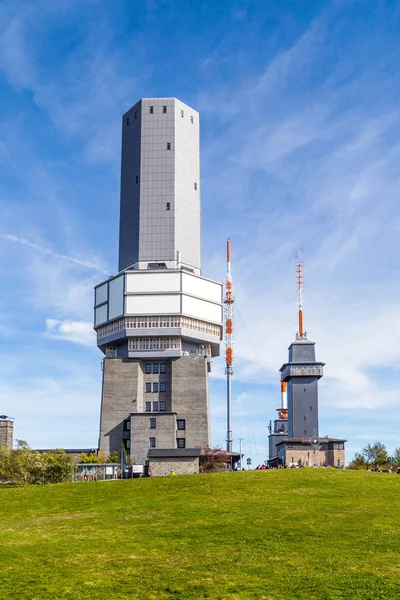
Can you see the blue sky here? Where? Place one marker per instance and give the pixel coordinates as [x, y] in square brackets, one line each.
[300, 142]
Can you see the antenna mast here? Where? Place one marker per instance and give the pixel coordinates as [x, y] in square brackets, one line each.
[301, 333]
[229, 300]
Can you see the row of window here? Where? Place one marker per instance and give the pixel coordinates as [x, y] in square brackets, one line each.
[180, 423]
[151, 111]
[168, 148]
[156, 368]
[154, 344]
[157, 387]
[180, 442]
[158, 321]
[160, 406]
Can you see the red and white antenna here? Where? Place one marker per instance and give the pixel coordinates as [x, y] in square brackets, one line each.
[301, 333]
[229, 300]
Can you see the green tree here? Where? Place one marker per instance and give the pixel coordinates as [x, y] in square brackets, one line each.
[358, 462]
[90, 458]
[57, 466]
[395, 459]
[113, 457]
[375, 455]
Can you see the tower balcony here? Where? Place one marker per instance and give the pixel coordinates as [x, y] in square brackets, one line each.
[304, 370]
[150, 311]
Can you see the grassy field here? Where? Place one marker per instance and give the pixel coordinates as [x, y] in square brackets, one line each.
[276, 535]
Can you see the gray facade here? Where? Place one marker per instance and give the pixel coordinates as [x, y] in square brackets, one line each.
[135, 412]
[278, 433]
[160, 185]
[158, 321]
[6, 431]
[301, 374]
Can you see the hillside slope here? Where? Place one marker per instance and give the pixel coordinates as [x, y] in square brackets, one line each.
[276, 535]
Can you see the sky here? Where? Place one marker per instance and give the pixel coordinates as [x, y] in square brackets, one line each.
[299, 103]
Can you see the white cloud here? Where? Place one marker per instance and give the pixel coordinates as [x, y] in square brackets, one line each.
[80, 332]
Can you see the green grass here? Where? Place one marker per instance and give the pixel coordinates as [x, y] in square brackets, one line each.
[276, 535]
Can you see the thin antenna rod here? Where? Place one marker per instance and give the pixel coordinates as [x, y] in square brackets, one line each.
[229, 300]
[300, 286]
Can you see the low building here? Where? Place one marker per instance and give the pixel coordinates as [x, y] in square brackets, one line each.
[301, 452]
[185, 461]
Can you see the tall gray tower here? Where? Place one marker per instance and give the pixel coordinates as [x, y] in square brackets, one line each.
[301, 374]
[158, 321]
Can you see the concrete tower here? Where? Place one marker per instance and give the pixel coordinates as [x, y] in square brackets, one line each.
[6, 431]
[301, 374]
[158, 321]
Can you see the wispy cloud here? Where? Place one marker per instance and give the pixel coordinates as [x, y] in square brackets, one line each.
[77, 261]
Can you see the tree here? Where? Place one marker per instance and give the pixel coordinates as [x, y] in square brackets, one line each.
[113, 457]
[24, 465]
[358, 462]
[57, 466]
[213, 459]
[375, 455]
[395, 459]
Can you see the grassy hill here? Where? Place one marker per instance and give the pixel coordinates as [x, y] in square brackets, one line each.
[276, 535]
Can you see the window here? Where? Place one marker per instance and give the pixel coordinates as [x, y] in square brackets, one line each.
[164, 109]
[111, 351]
[127, 121]
[168, 145]
[148, 369]
[181, 442]
[310, 407]
[195, 185]
[135, 115]
[163, 406]
[305, 418]
[191, 120]
[127, 425]
[156, 369]
[153, 423]
[152, 442]
[181, 424]
[137, 179]
[168, 205]
[148, 387]
[163, 386]
[127, 444]
[148, 406]
[182, 113]
[162, 368]
[305, 432]
[155, 406]
[151, 110]
[155, 387]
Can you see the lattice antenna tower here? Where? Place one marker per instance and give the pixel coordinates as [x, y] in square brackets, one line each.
[229, 300]
[301, 334]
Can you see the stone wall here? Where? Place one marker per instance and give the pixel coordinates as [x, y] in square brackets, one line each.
[305, 456]
[122, 390]
[183, 465]
[164, 434]
[189, 383]
[6, 433]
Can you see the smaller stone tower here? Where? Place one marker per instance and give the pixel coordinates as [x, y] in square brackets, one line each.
[6, 431]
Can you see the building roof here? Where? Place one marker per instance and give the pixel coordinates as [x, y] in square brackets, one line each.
[69, 450]
[306, 441]
[172, 452]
